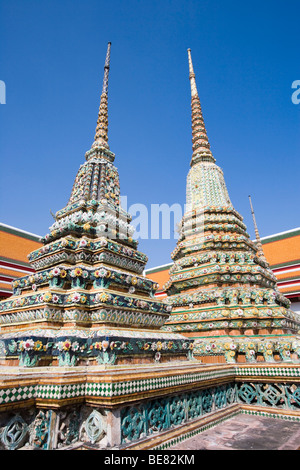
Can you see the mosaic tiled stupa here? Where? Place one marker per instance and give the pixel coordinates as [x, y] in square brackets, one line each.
[88, 300]
[84, 331]
[221, 288]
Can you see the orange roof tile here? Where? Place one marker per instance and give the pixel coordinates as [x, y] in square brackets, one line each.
[16, 245]
[159, 275]
[282, 249]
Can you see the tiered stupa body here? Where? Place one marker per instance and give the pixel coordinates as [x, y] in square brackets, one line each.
[88, 301]
[221, 288]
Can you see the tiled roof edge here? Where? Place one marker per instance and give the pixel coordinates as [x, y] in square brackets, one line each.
[19, 233]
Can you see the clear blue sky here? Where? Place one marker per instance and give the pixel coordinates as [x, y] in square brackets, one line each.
[245, 55]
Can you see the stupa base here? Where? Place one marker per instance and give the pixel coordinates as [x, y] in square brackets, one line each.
[149, 407]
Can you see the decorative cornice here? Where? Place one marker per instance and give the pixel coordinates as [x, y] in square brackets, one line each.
[19, 233]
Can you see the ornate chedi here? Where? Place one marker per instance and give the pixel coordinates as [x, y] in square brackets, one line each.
[221, 288]
[88, 300]
[86, 326]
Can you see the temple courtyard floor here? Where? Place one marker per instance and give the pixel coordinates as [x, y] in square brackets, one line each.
[245, 432]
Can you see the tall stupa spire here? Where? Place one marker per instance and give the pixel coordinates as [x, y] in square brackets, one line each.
[101, 135]
[201, 146]
[222, 291]
[260, 251]
[205, 182]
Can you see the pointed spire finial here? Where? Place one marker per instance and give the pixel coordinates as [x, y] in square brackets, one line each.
[201, 146]
[260, 251]
[192, 75]
[101, 136]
